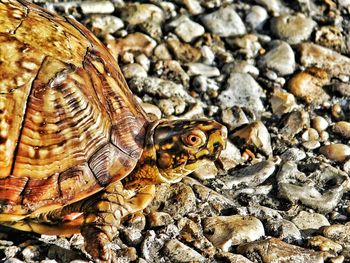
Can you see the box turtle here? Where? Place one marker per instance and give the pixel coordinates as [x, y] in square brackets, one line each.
[77, 152]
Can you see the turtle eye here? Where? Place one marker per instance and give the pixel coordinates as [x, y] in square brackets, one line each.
[194, 139]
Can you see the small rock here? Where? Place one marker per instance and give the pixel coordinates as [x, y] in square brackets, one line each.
[195, 69]
[151, 246]
[161, 88]
[296, 186]
[107, 24]
[275, 250]
[324, 244]
[135, 42]
[319, 123]
[342, 128]
[181, 201]
[339, 233]
[312, 55]
[136, 13]
[254, 135]
[243, 91]
[256, 17]
[231, 258]
[342, 88]
[227, 231]
[172, 70]
[132, 236]
[306, 221]
[280, 59]
[179, 252]
[294, 123]
[193, 6]
[251, 175]
[157, 219]
[13, 260]
[293, 154]
[224, 22]
[307, 85]
[183, 51]
[310, 135]
[99, 7]
[283, 229]
[134, 70]
[274, 6]
[189, 30]
[161, 52]
[191, 232]
[282, 102]
[293, 28]
[330, 37]
[336, 152]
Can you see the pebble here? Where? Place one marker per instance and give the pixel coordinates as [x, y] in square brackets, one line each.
[151, 246]
[13, 260]
[136, 42]
[338, 233]
[227, 231]
[134, 70]
[161, 88]
[283, 229]
[295, 186]
[157, 219]
[181, 201]
[232, 258]
[243, 91]
[274, 6]
[254, 135]
[193, 6]
[277, 251]
[343, 89]
[312, 55]
[177, 251]
[324, 244]
[224, 22]
[308, 86]
[172, 70]
[342, 128]
[256, 17]
[183, 51]
[310, 221]
[191, 232]
[136, 13]
[195, 69]
[330, 37]
[189, 30]
[282, 102]
[294, 123]
[293, 28]
[319, 123]
[280, 58]
[310, 135]
[293, 154]
[131, 236]
[252, 175]
[108, 24]
[336, 151]
[100, 7]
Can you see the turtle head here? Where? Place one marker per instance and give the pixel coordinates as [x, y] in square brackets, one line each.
[181, 146]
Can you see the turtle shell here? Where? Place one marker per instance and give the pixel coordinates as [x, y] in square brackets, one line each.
[69, 125]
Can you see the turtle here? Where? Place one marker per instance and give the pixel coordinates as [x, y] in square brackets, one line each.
[77, 151]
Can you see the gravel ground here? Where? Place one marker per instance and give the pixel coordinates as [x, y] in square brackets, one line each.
[276, 73]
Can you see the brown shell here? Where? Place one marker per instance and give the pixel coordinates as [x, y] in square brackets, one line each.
[69, 125]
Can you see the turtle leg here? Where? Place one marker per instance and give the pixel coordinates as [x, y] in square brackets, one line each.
[103, 217]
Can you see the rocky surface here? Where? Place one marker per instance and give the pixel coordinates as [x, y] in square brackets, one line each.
[276, 73]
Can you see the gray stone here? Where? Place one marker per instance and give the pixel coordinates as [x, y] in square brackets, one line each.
[243, 91]
[224, 22]
[280, 58]
[179, 252]
[293, 28]
[256, 17]
[306, 221]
